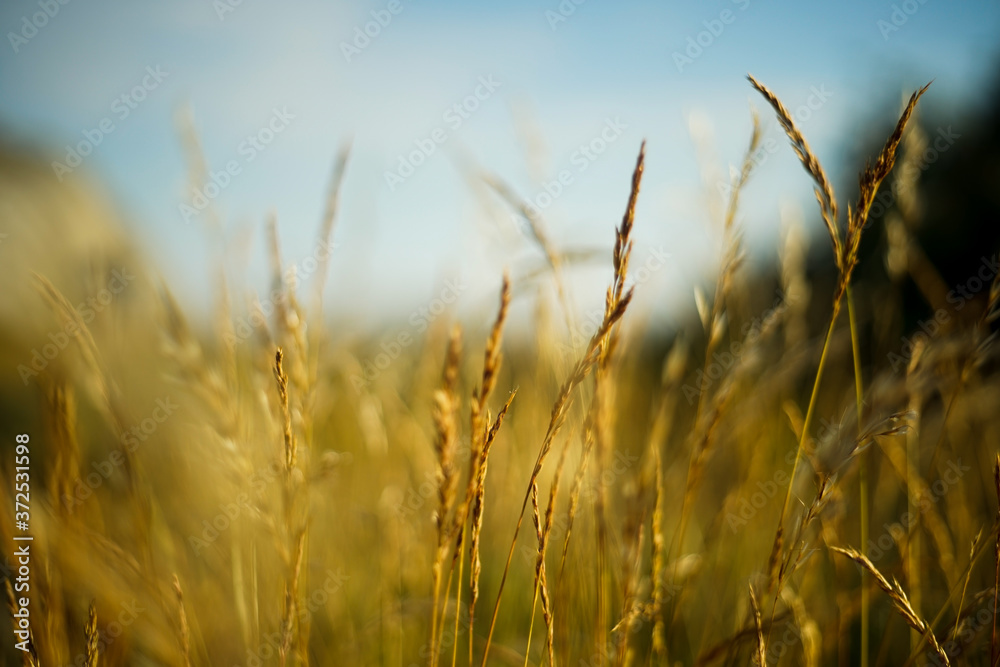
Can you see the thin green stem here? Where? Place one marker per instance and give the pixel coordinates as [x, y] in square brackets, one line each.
[798, 450]
[809, 411]
[862, 477]
[458, 595]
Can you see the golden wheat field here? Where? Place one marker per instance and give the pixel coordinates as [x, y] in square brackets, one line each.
[798, 476]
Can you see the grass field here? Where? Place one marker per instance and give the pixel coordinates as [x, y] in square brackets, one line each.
[796, 478]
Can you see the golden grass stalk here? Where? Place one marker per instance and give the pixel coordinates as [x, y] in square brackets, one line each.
[540, 581]
[968, 575]
[846, 257]
[996, 576]
[575, 488]
[282, 317]
[616, 304]
[281, 380]
[446, 404]
[600, 411]
[479, 435]
[977, 554]
[289, 619]
[868, 183]
[913, 560]
[183, 630]
[862, 474]
[558, 417]
[479, 418]
[761, 657]
[550, 511]
[600, 406]
[634, 538]
[91, 634]
[659, 588]
[542, 532]
[296, 534]
[733, 642]
[477, 519]
[325, 237]
[824, 190]
[288, 316]
[900, 602]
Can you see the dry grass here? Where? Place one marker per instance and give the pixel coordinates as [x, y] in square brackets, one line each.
[225, 495]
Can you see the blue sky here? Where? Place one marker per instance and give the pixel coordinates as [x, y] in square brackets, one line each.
[558, 82]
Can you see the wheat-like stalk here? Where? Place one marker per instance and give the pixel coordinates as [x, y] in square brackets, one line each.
[900, 601]
[996, 574]
[845, 247]
[290, 611]
[598, 346]
[761, 657]
[446, 404]
[183, 630]
[824, 190]
[542, 531]
[281, 380]
[479, 435]
[91, 634]
[479, 507]
[541, 583]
